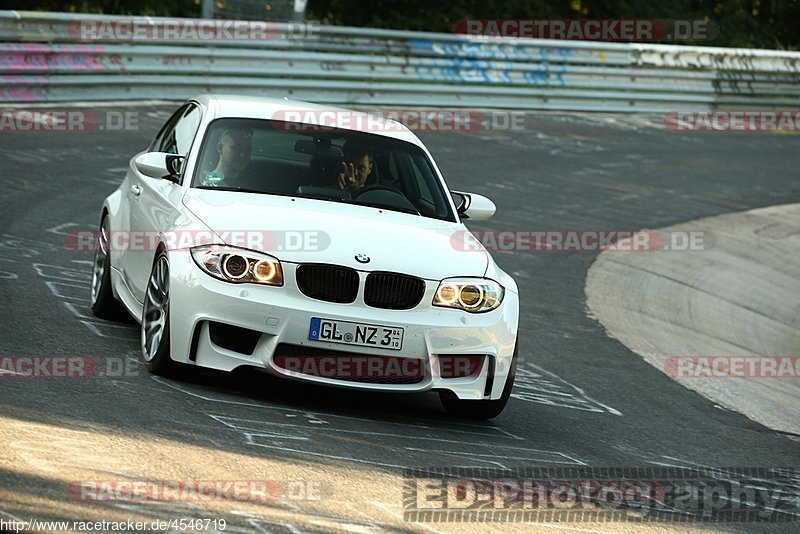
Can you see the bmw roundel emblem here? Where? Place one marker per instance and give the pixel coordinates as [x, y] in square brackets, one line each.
[362, 258]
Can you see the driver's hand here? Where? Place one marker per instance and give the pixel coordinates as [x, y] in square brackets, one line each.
[347, 176]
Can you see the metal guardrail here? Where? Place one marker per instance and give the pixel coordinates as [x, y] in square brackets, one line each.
[43, 59]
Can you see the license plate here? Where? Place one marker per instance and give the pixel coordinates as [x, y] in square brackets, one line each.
[360, 334]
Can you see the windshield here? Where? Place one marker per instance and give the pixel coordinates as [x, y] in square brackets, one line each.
[282, 158]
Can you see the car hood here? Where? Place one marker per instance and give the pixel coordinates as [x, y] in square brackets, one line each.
[315, 231]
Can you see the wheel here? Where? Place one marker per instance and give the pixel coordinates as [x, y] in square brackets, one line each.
[104, 303]
[481, 409]
[155, 320]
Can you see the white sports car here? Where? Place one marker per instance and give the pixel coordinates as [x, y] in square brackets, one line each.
[317, 243]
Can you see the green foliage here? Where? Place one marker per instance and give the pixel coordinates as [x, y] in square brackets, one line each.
[744, 23]
[154, 8]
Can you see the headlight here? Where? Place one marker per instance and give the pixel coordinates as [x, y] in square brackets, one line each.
[238, 265]
[474, 295]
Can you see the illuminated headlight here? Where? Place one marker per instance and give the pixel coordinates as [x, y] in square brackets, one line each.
[238, 265]
[471, 294]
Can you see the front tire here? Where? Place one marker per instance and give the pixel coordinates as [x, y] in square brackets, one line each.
[481, 409]
[104, 304]
[155, 320]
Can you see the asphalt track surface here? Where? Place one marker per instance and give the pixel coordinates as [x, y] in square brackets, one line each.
[581, 398]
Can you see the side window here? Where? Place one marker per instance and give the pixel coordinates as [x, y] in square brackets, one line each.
[167, 129]
[185, 131]
[177, 135]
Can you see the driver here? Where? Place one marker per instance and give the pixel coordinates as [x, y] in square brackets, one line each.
[355, 169]
[235, 148]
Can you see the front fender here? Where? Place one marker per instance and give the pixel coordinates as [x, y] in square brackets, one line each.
[111, 205]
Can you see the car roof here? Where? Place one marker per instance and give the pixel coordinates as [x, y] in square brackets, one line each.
[240, 106]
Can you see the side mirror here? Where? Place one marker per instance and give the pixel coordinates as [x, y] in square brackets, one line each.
[160, 165]
[473, 206]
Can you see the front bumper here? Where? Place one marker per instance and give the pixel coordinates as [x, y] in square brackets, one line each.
[283, 315]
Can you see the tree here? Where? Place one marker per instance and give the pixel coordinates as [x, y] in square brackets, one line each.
[743, 23]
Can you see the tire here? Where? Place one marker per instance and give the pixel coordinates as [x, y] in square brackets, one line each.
[155, 340]
[481, 409]
[104, 304]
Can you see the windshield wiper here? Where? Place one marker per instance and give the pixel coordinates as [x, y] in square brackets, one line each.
[238, 189]
[386, 207]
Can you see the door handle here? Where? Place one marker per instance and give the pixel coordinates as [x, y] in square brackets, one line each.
[136, 190]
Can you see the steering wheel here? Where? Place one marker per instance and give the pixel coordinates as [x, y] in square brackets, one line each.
[380, 187]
